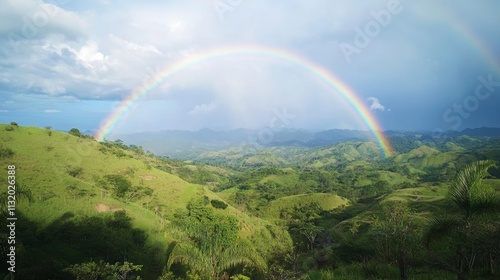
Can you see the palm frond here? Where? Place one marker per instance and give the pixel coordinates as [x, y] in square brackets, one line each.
[188, 254]
[466, 190]
[241, 254]
[440, 227]
[22, 192]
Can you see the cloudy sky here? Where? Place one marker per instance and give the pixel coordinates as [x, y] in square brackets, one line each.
[415, 64]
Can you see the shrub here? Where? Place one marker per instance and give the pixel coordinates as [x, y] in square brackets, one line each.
[75, 132]
[320, 275]
[75, 171]
[9, 128]
[6, 152]
[102, 270]
[121, 184]
[14, 124]
[218, 204]
[119, 153]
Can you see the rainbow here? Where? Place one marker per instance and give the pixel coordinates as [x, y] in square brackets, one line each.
[349, 95]
[473, 39]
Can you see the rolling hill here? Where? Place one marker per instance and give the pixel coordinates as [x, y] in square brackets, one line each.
[76, 184]
[300, 208]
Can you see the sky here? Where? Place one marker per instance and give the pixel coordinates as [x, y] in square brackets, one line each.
[417, 65]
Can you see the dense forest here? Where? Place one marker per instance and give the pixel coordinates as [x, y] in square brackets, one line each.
[108, 210]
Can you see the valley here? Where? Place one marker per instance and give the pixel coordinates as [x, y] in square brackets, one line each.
[297, 208]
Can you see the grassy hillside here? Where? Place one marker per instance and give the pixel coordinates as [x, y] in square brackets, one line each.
[302, 210]
[326, 202]
[76, 182]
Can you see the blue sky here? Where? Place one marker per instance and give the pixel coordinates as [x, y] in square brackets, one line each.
[419, 65]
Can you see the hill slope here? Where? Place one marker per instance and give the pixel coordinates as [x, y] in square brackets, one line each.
[93, 200]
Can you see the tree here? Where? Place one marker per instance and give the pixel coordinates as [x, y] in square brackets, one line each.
[75, 132]
[310, 231]
[302, 222]
[213, 246]
[121, 185]
[467, 236]
[119, 143]
[102, 270]
[14, 124]
[397, 237]
[218, 204]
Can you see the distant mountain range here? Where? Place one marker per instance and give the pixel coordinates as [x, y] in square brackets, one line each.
[189, 144]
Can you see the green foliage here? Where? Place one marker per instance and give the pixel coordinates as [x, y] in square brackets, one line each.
[239, 277]
[119, 153]
[167, 275]
[74, 171]
[214, 246]
[120, 184]
[88, 271]
[473, 233]
[320, 275]
[467, 191]
[9, 128]
[14, 124]
[398, 237]
[194, 172]
[306, 225]
[103, 271]
[75, 132]
[218, 204]
[6, 152]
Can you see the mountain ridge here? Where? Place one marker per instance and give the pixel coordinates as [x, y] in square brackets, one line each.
[183, 144]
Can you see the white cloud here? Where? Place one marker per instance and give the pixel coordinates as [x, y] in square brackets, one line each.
[51, 111]
[375, 104]
[134, 46]
[32, 19]
[203, 108]
[91, 57]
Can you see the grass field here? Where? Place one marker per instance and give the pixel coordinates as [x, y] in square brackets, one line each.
[65, 175]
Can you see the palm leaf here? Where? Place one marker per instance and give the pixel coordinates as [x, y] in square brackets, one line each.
[188, 254]
[467, 191]
[440, 227]
[241, 254]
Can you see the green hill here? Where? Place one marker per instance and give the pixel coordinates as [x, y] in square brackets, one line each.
[78, 184]
[325, 201]
[300, 209]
